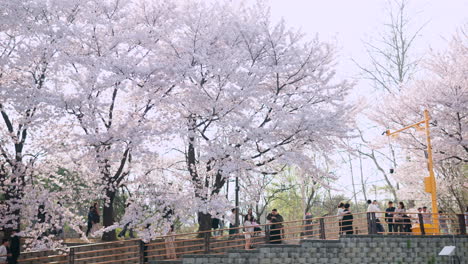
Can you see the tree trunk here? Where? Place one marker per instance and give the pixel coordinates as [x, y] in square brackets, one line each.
[108, 217]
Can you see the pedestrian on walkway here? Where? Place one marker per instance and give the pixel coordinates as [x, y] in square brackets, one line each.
[308, 224]
[373, 207]
[14, 247]
[232, 222]
[427, 216]
[4, 251]
[443, 223]
[90, 220]
[215, 225]
[249, 226]
[277, 226]
[389, 217]
[400, 212]
[340, 214]
[347, 226]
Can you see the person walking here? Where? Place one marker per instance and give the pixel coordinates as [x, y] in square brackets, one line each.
[15, 247]
[340, 214]
[276, 228]
[4, 251]
[399, 215]
[347, 225]
[249, 226]
[232, 222]
[389, 217]
[90, 220]
[215, 225]
[169, 240]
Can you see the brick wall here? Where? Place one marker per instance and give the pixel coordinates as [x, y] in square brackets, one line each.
[350, 249]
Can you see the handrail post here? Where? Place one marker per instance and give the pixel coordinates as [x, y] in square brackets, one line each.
[374, 223]
[71, 256]
[370, 230]
[461, 222]
[142, 253]
[421, 224]
[322, 229]
[267, 233]
[206, 240]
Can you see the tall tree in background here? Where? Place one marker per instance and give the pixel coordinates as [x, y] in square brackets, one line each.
[393, 64]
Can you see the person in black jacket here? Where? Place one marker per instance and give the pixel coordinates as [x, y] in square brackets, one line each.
[276, 228]
[91, 219]
[389, 217]
[347, 220]
[14, 248]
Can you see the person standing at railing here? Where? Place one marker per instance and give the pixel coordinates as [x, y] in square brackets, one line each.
[4, 254]
[249, 226]
[373, 207]
[14, 247]
[232, 222]
[389, 217]
[466, 217]
[400, 212]
[308, 224]
[443, 223]
[427, 216]
[340, 214]
[347, 225]
[169, 240]
[276, 228]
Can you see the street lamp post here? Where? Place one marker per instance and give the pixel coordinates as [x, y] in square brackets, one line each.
[237, 200]
[429, 182]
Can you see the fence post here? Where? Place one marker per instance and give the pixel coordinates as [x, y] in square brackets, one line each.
[374, 223]
[421, 224]
[71, 256]
[206, 240]
[322, 229]
[461, 222]
[370, 226]
[267, 233]
[142, 253]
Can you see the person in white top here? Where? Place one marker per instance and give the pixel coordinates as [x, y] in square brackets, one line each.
[232, 222]
[4, 251]
[249, 227]
[374, 208]
[340, 213]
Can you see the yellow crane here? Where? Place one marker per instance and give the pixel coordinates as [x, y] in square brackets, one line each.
[429, 182]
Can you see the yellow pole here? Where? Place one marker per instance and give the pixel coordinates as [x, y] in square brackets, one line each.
[435, 210]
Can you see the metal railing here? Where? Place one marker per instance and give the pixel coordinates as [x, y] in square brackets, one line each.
[174, 246]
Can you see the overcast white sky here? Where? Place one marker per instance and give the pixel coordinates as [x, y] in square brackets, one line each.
[348, 23]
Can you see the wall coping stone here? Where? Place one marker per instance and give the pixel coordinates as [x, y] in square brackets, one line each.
[243, 251]
[279, 246]
[204, 256]
[395, 236]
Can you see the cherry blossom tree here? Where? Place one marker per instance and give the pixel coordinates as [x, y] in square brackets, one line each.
[443, 92]
[252, 96]
[115, 80]
[31, 34]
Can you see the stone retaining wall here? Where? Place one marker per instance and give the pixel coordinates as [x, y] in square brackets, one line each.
[350, 249]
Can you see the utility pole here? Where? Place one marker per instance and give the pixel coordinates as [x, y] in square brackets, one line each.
[429, 182]
[237, 200]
